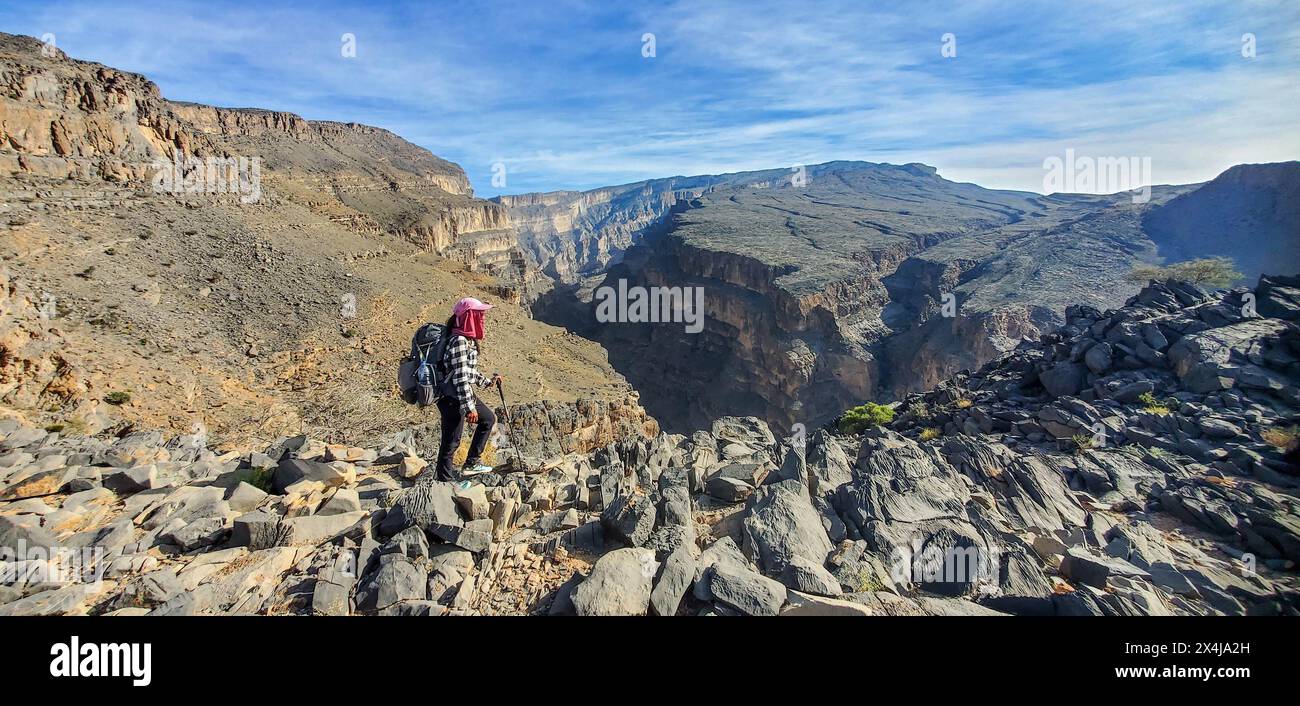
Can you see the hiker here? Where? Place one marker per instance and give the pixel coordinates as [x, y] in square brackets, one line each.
[459, 404]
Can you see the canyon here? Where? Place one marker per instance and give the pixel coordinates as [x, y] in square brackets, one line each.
[828, 290]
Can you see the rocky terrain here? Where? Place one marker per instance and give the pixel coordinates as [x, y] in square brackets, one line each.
[1138, 461]
[197, 413]
[257, 313]
[823, 293]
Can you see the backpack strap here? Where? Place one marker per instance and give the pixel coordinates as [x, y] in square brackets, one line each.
[443, 345]
[415, 342]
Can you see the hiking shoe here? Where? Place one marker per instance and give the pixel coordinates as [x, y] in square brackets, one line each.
[475, 469]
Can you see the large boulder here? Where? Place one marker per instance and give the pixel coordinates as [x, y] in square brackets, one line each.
[619, 584]
[1063, 379]
[14, 531]
[630, 518]
[1208, 361]
[397, 579]
[728, 490]
[1098, 358]
[746, 591]
[674, 581]
[1278, 297]
[809, 577]
[898, 481]
[315, 529]
[723, 552]
[429, 505]
[292, 470]
[747, 431]
[783, 524]
[1083, 566]
[828, 466]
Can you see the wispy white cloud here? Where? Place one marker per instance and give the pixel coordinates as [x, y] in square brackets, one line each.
[561, 93]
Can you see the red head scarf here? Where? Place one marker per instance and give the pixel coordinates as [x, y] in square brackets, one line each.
[469, 324]
[468, 315]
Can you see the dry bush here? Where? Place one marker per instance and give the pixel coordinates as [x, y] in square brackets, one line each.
[1281, 438]
[1217, 272]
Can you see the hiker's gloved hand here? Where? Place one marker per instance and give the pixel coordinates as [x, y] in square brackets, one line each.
[472, 417]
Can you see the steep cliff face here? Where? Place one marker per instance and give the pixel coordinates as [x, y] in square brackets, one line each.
[570, 234]
[868, 282]
[64, 119]
[573, 234]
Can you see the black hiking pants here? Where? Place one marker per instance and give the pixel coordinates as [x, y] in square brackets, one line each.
[452, 424]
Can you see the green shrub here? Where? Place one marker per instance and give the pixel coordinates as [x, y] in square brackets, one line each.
[919, 410]
[1153, 405]
[930, 434]
[861, 417]
[1217, 272]
[259, 478]
[117, 398]
[1082, 442]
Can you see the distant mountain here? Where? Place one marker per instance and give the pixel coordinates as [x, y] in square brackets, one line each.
[1250, 213]
[571, 234]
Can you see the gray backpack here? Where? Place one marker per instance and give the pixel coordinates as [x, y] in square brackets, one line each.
[422, 375]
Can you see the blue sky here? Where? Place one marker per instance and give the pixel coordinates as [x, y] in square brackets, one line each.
[560, 93]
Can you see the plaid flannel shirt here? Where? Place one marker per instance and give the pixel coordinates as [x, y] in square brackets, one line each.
[462, 369]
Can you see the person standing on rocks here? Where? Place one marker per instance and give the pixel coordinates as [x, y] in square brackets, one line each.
[458, 403]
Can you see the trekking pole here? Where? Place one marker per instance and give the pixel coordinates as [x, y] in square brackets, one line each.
[505, 412]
